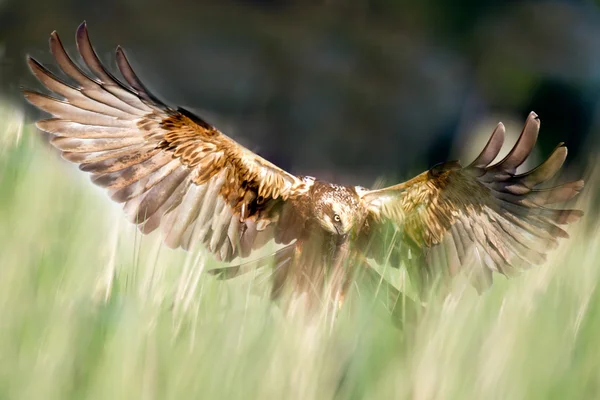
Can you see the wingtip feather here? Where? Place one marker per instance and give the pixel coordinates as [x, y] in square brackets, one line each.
[54, 40]
[546, 170]
[81, 31]
[34, 65]
[491, 149]
[525, 143]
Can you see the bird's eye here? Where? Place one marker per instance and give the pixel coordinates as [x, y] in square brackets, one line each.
[336, 218]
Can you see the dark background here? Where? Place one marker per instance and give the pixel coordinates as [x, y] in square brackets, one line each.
[346, 90]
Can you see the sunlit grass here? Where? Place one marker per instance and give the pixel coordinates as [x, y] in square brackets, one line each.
[90, 309]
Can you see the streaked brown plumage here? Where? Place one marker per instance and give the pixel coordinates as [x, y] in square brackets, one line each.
[174, 171]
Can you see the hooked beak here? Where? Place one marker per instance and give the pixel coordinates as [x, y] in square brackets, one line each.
[342, 236]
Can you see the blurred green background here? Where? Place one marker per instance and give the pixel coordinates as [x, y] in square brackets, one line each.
[345, 90]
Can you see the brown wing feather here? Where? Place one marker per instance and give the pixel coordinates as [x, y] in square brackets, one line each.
[170, 168]
[483, 217]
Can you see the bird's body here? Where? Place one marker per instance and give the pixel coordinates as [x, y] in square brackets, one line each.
[332, 216]
[175, 172]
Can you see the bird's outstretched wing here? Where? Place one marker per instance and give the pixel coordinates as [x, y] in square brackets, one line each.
[167, 166]
[482, 217]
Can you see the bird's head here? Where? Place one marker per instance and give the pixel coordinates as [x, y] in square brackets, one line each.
[336, 217]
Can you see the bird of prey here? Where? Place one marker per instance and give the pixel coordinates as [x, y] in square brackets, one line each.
[175, 172]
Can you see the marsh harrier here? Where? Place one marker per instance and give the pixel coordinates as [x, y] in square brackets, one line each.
[175, 172]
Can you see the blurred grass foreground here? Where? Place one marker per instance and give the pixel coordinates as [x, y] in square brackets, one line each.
[90, 309]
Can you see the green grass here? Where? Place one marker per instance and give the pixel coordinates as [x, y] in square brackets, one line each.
[90, 309]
